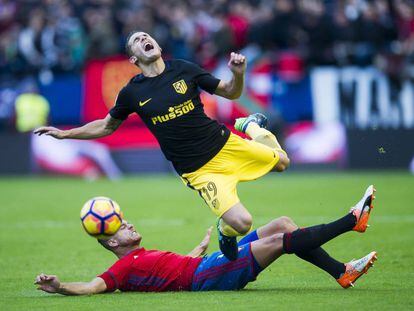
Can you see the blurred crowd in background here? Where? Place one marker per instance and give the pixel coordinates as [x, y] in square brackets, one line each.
[50, 36]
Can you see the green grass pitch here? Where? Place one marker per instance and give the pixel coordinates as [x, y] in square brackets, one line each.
[40, 231]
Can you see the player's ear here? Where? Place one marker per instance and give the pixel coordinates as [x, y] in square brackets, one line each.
[112, 243]
[133, 59]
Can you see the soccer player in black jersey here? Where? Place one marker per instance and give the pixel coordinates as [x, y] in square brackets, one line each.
[206, 155]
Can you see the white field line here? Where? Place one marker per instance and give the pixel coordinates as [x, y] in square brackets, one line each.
[178, 222]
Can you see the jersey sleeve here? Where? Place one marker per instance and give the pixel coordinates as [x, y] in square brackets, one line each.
[114, 276]
[202, 78]
[122, 108]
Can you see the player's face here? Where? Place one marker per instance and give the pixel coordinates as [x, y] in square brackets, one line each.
[127, 235]
[144, 48]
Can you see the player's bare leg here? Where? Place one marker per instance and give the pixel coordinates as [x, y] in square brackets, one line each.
[235, 222]
[268, 249]
[239, 218]
[279, 225]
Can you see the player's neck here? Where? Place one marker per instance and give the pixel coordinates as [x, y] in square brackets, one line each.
[153, 69]
[126, 250]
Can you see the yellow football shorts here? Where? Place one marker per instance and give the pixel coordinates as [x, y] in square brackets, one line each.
[238, 160]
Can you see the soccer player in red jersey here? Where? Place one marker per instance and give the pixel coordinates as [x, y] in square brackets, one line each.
[139, 269]
[206, 155]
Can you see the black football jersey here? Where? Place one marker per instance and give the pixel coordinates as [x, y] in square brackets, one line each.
[170, 106]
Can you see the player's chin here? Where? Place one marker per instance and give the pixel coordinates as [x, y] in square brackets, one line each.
[152, 55]
[136, 237]
[137, 240]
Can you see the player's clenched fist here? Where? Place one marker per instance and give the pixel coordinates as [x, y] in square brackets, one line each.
[50, 131]
[237, 63]
[47, 283]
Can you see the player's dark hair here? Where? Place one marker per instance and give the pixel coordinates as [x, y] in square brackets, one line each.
[128, 49]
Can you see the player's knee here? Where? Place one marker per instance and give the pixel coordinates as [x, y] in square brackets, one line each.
[287, 224]
[276, 225]
[243, 224]
[281, 224]
[282, 164]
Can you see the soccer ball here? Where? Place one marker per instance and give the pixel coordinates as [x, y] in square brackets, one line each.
[101, 217]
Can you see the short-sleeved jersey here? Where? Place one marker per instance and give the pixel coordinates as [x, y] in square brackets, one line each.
[151, 271]
[170, 106]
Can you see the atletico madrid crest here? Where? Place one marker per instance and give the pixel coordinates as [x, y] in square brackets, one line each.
[180, 87]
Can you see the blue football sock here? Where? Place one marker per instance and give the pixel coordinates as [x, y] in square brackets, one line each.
[252, 236]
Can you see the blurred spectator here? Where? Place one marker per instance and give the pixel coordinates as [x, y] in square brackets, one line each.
[70, 39]
[102, 39]
[36, 42]
[318, 30]
[277, 30]
[239, 14]
[32, 110]
[405, 23]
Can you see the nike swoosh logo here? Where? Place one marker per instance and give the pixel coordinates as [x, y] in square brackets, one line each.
[144, 102]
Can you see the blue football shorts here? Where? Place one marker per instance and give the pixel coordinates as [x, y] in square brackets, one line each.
[216, 272]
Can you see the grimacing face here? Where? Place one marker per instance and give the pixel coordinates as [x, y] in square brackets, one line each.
[126, 235]
[144, 48]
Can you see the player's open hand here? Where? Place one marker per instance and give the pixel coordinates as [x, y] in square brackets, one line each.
[237, 63]
[206, 241]
[50, 131]
[47, 283]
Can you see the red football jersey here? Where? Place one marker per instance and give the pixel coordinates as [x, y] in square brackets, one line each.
[151, 271]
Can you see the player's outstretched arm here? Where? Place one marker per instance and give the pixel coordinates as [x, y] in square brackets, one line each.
[201, 248]
[51, 284]
[91, 130]
[233, 89]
